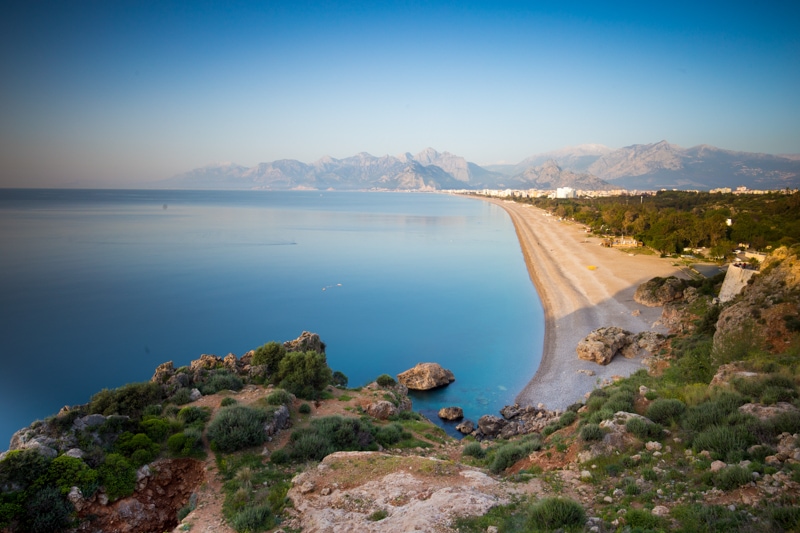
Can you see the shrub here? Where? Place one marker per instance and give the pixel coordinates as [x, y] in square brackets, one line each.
[665, 410]
[237, 427]
[710, 519]
[279, 457]
[474, 449]
[139, 448]
[157, 429]
[228, 401]
[118, 476]
[712, 412]
[270, 354]
[639, 518]
[391, 434]
[643, 429]
[221, 380]
[329, 434]
[194, 415]
[732, 477]
[64, 472]
[256, 518]
[185, 444]
[785, 518]
[621, 400]
[304, 374]
[554, 513]
[339, 379]
[279, 397]
[506, 456]
[128, 400]
[304, 409]
[182, 396]
[385, 380]
[591, 432]
[722, 440]
[378, 515]
[48, 512]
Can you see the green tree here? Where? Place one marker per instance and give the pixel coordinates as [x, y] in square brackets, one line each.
[304, 374]
[270, 354]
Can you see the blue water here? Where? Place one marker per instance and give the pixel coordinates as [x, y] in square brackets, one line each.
[98, 287]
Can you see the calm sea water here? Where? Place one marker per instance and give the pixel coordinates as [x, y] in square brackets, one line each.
[98, 287]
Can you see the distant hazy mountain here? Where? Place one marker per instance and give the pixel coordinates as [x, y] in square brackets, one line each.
[588, 167]
[551, 176]
[665, 165]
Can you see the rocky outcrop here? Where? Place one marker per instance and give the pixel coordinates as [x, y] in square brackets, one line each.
[451, 413]
[644, 344]
[280, 420]
[306, 342]
[466, 427]
[602, 344]
[659, 291]
[765, 412]
[426, 376]
[348, 489]
[381, 409]
[162, 489]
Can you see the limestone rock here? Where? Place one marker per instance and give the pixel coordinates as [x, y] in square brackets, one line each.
[726, 373]
[646, 343]
[426, 376]
[206, 362]
[195, 395]
[306, 342]
[163, 372]
[765, 412]
[451, 413]
[602, 344]
[490, 425]
[716, 466]
[466, 427]
[381, 410]
[659, 291]
[280, 420]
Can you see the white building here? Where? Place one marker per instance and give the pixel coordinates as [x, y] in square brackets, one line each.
[565, 192]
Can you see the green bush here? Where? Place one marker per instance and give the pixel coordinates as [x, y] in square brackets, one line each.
[279, 397]
[665, 410]
[785, 518]
[304, 374]
[640, 518]
[221, 380]
[270, 354]
[732, 477]
[48, 511]
[139, 448]
[621, 400]
[186, 444]
[553, 513]
[194, 415]
[237, 427]
[643, 429]
[474, 449]
[255, 518]
[304, 409]
[181, 396]
[591, 432]
[713, 412]
[129, 400]
[279, 457]
[567, 418]
[330, 434]
[711, 519]
[391, 434]
[157, 429]
[22, 467]
[228, 401]
[65, 472]
[118, 476]
[339, 379]
[507, 456]
[385, 380]
[722, 440]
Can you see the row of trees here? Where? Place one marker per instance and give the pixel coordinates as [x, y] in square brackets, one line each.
[673, 220]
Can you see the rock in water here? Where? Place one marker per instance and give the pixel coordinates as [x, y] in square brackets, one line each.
[451, 413]
[426, 376]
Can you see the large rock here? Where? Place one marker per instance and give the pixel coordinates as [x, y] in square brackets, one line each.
[306, 342]
[491, 426]
[426, 376]
[451, 413]
[381, 409]
[659, 291]
[601, 345]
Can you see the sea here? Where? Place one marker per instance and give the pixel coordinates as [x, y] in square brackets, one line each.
[98, 287]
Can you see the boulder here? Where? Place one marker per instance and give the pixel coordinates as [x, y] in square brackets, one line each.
[163, 372]
[659, 291]
[381, 410]
[451, 413]
[490, 425]
[765, 412]
[602, 344]
[306, 342]
[426, 376]
[280, 420]
[646, 343]
[466, 427]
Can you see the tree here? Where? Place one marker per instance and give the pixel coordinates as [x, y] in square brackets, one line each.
[304, 374]
[270, 354]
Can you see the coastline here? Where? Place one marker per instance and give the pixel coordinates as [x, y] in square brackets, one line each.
[582, 286]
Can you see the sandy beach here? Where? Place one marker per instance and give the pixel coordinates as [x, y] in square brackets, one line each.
[583, 286]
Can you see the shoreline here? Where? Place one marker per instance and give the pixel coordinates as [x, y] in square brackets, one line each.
[582, 286]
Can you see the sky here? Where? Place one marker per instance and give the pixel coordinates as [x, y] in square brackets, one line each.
[117, 93]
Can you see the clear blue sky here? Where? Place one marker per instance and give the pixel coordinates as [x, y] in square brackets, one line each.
[115, 92]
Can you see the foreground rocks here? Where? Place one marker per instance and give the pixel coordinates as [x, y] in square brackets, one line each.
[376, 492]
[426, 376]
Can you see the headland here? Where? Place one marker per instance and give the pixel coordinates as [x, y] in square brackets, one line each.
[583, 286]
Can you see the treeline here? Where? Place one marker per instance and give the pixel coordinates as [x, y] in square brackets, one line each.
[673, 220]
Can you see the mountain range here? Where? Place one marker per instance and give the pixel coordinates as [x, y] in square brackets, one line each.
[587, 167]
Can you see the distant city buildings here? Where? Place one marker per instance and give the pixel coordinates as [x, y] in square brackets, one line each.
[569, 192]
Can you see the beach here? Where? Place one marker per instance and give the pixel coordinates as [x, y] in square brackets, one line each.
[583, 286]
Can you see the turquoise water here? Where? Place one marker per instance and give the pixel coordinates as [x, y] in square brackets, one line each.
[98, 287]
